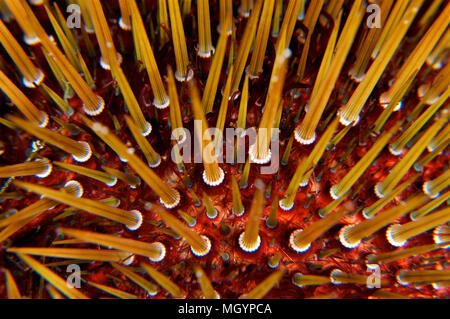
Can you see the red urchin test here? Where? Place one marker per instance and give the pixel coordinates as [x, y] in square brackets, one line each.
[224, 149]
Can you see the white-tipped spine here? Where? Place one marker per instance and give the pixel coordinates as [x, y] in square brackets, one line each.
[296, 247]
[216, 182]
[344, 237]
[138, 223]
[162, 250]
[392, 238]
[174, 203]
[205, 251]
[249, 248]
[83, 157]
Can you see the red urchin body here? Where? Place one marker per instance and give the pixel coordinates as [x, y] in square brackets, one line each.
[241, 271]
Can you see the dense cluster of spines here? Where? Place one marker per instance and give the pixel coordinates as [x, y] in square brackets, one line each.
[266, 57]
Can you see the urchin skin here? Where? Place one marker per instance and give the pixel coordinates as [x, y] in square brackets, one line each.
[240, 270]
